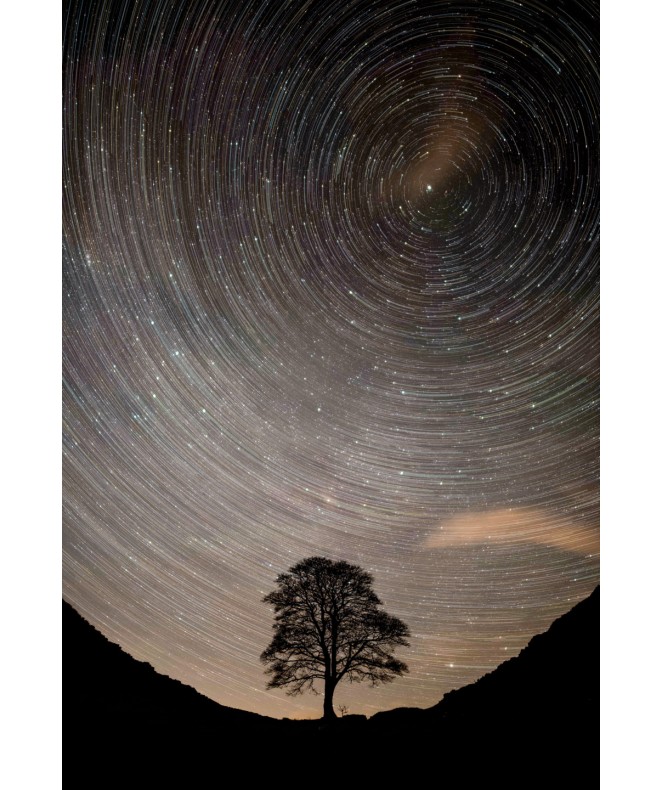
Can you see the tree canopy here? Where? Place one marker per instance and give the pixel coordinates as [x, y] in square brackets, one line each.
[328, 627]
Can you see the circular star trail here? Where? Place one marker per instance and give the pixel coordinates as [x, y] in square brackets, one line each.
[330, 288]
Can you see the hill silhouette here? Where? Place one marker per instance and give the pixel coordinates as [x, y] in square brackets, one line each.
[106, 685]
[538, 711]
[534, 717]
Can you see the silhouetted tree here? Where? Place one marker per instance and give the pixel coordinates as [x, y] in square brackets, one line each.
[329, 627]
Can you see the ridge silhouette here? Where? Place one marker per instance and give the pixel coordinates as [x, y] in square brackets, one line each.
[534, 717]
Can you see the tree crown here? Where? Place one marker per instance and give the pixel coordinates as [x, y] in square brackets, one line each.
[328, 626]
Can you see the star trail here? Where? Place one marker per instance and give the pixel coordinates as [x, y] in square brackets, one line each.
[330, 288]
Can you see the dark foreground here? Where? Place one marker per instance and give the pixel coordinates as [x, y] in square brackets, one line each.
[533, 721]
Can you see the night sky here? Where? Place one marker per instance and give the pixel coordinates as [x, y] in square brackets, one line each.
[330, 288]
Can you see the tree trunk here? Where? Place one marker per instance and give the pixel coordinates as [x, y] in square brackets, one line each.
[329, 688]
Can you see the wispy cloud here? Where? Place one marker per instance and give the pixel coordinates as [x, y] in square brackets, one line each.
[516, 525]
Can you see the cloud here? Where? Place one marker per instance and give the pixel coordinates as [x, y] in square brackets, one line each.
[516, 525]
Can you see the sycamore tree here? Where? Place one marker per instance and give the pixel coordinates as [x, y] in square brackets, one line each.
[329, 627]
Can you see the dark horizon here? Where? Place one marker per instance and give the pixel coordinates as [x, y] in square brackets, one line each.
[537, 712]
[559, 665]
